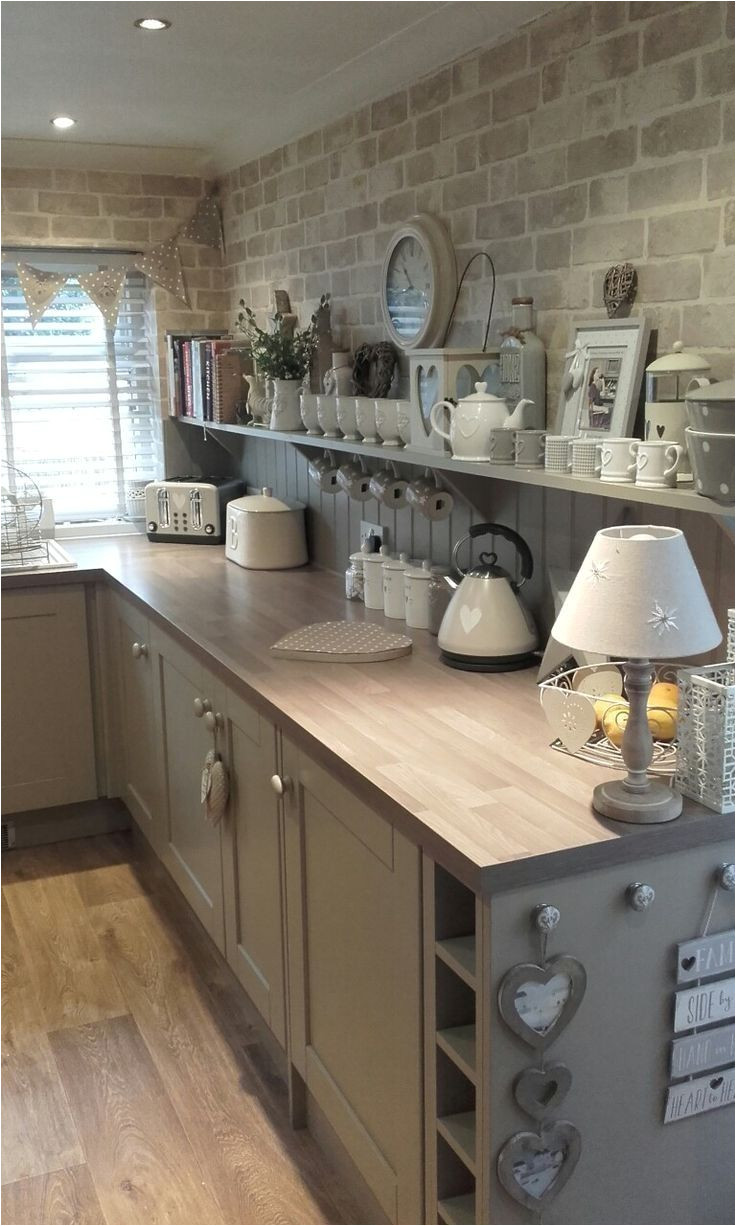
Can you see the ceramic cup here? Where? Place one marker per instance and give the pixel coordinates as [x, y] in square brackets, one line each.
[327, 415]
[323, 471]
[365, 415]
[387, 421]
[389, 488]
[558, 453]
[309, 413]
[345, 413]
[529, 448]
[502, 445]
[616, 461]
[404, 415]
[657, 463]
[425, 495]
[354, 479]
[586, 457]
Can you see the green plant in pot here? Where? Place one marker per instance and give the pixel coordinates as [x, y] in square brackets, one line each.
[283, 356]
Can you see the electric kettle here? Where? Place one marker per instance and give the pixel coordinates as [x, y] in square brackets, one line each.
[486, 628]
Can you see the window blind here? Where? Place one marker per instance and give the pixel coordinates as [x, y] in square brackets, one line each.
[78, 411]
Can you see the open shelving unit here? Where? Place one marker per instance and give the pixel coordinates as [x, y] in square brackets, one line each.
[680, 498]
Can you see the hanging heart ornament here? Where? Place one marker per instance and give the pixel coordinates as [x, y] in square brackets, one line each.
[538, 1002]
[534, 1168]
[540, 1091]
[570, 716]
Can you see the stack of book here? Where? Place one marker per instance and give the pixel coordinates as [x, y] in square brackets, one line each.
[206, 376]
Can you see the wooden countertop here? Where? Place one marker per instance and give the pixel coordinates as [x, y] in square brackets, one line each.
[459, 761]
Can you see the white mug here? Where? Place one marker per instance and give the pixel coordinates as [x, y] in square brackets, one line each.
[323, 471]
[389, 488]
[345, 413]
[365, 416]
[586, 457]
[529, 448]
[616, 462]
[558, 453]
[387, 421]
[657, 462]
[327, 415]
[309, 413]
[427, 496]
[502, 445]
[354, 479]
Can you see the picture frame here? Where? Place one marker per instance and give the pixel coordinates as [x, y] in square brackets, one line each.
[602, 378]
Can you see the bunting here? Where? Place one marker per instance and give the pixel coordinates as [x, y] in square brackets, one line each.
[105, 288]
[206, 224]
[162, 264]
[39, 289]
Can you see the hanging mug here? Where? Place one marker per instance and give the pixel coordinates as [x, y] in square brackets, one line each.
[323, 471]
[353, 478]
[425, 494]
[389, 488]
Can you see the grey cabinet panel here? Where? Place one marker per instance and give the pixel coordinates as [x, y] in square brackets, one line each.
[140, 735]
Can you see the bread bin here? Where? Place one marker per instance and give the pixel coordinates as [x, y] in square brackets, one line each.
[265, 533]
[712, 409]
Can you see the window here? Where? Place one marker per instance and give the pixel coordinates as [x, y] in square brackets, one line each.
[78, 410]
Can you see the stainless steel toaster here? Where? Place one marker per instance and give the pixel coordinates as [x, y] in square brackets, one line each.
[189, 510]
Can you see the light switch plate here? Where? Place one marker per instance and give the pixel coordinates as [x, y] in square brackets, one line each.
[377, 530]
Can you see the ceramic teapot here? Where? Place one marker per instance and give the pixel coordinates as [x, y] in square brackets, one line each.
[473, 418]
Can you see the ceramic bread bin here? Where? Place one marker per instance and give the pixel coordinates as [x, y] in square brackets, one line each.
[266, 533]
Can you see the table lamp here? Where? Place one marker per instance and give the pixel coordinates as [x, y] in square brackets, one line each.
[637, 597]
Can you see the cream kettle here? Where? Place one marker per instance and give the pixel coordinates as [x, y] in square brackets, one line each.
[473, 418]
[486, 628]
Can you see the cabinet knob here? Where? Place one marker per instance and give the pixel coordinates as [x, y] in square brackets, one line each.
[640, 896]
[214, 719]
[201, 707]
[280, 784]
[139, 649]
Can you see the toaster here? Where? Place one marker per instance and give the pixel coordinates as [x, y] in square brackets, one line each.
[189, 510]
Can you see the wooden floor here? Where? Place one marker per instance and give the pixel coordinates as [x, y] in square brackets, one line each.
[134, 1087]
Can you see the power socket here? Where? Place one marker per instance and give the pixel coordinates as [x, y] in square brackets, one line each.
[376, 530]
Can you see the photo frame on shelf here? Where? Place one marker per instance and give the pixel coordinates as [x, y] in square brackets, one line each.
[602, 377]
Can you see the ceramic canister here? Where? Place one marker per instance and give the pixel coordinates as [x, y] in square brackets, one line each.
[393, 586]
[417, 583]
[373, 578]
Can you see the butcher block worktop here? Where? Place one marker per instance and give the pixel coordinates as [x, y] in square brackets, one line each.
[459, 761]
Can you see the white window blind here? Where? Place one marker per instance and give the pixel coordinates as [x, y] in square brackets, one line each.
[78, 406]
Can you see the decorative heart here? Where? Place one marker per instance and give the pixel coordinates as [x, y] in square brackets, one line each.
[535, 1168]
[539, 1091]
[594, 680]
[469, 618]
[538, 1002]
[467, 377]
[660, 431]
[491, 376]
[571, 717]
[427, 393]
[467, 424]
[716, 1082]
[687, 964]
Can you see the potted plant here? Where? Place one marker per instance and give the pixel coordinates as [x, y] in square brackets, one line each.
[284, 356]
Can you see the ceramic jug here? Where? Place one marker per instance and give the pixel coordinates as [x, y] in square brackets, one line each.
[473, 418]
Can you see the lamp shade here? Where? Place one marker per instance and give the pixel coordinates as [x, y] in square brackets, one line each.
[638, 595]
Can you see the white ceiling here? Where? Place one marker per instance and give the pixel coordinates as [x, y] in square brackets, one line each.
[227, 82]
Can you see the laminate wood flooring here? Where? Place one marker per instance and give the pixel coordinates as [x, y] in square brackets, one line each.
[135, 1089]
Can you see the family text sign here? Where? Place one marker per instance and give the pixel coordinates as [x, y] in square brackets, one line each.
[704, 956]
[697, 1052]
[701, 1006]
[704, 1094]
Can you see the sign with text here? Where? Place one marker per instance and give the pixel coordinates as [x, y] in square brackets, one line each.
[695, 1097]
[711, 1002]
[704, 956]
[698, 1052]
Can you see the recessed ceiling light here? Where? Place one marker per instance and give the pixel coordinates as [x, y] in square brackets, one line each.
[62, 121]
[152, 23]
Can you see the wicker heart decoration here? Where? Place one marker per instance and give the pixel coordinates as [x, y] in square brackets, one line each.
[538, 1002]
[535, 1168]
[540, 1091]
[570, 716]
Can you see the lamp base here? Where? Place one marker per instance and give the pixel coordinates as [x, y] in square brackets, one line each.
[657, 804]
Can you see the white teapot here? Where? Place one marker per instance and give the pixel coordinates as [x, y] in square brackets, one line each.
[472, 420]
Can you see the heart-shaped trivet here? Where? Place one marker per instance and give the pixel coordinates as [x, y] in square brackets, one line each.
[540, 1091]
[537, 1002]
[534, 1168]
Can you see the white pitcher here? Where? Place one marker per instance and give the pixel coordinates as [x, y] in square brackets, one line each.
[473, 418]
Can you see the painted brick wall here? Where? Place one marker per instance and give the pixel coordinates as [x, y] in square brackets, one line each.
[601, 132]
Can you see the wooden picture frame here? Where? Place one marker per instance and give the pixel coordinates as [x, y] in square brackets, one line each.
[602, 378]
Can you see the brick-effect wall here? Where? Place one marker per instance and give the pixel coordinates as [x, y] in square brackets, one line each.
[601, 132]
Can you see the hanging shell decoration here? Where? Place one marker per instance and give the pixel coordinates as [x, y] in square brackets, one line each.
[619, 289]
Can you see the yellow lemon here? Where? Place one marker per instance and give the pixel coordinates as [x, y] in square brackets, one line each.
[606, 703]
[614, 721]
[663, 694]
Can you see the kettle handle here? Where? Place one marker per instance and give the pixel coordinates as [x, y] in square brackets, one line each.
[523, 550]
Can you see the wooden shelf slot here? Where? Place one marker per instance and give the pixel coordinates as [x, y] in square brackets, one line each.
[458, 1210]
[459, 1132]
[459, 954]
[458, 1042]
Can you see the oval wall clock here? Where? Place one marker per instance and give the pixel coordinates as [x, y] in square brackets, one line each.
[418, 283]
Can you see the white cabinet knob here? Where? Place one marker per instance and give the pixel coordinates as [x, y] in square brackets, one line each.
[280, 784]
[201, 707]
[139, 649]
[214, 719]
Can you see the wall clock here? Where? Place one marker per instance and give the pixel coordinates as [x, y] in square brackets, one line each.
[419, 282]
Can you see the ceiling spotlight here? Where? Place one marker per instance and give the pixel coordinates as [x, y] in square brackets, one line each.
[62, 121]
[152, 23]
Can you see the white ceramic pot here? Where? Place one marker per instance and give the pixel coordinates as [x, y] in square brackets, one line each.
[471, 422]
[286, 407]
[265, 533]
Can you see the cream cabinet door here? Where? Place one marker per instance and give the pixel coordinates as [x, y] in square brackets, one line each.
[139, 731]
[191, 848]
[354, 929]
[252, 859]
[48, 749]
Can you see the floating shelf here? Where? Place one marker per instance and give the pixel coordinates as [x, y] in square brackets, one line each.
[459, 954]
[459, 1132]
[679, 499]
[458, 1210]
[458, 1042]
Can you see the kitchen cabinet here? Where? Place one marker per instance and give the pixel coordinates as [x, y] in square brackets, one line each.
[252, 858]
[354, 937]
[139, 730]
[48, 746]
[191, 847]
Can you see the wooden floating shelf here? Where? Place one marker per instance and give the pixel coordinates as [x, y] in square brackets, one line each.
[459, 1132]
[458, 1042]
[678, 499]
[458, 1210]
[459, 954]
